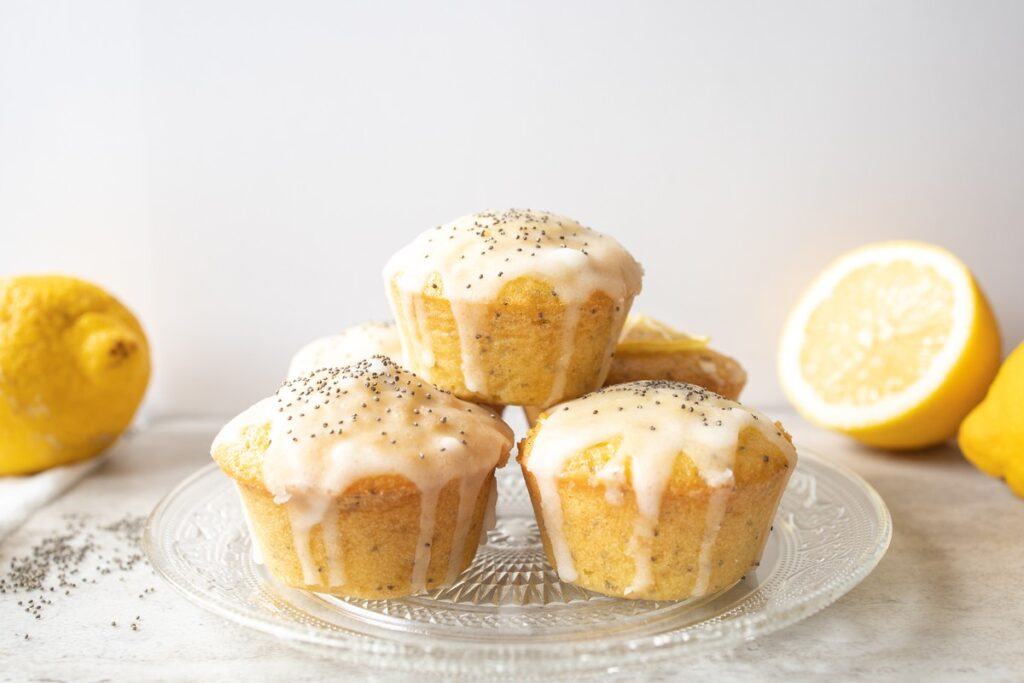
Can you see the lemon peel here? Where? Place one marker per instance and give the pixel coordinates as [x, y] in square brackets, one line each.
[992, 435]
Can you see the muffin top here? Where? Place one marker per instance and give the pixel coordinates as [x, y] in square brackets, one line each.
[474, 257]
[350, 346]
[651, 423]
[650, 349]
[326, 430]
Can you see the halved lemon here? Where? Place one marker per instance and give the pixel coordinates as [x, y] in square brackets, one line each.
[892, 344]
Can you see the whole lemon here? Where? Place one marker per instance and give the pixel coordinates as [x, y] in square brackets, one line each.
[74, 364]
[992, 436]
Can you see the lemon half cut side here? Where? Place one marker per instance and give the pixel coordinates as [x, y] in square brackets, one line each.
[892, 344]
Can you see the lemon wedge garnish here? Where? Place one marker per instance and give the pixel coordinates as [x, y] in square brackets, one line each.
[893, 344]
[643, 334]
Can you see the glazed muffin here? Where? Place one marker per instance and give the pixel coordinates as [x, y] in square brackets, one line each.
[364, 481]
[655, 490]
[353, 345]
[512, 307]
[650, 349]
[347, 348]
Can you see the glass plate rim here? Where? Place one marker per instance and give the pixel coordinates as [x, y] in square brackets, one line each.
[724, 633]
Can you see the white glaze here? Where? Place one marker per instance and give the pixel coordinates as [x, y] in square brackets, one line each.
[653, 421]
[469, 494]
[304, 513]
[470, 320]
[565, 353]
[709, 368]
[717, 505]
[475, 256]
[428, 520]
[331, 528]
[490, 512]
[335, 426]
[350, 346]
[257, 555]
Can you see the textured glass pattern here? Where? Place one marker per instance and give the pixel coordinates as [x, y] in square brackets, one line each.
[509, 616]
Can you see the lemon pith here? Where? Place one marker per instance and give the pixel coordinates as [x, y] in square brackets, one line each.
[892, 344]
[74, 364]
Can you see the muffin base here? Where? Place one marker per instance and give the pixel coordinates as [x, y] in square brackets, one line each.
[598, 534]
[526, 347]
[730, 525]
[378, 523]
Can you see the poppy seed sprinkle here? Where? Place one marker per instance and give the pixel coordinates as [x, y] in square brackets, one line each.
[83, 552]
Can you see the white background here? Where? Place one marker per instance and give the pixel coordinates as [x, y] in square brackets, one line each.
[238, 172]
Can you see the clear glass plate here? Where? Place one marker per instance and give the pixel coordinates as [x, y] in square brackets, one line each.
[509, 616]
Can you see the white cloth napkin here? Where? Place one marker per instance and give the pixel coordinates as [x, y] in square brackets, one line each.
[21, 496]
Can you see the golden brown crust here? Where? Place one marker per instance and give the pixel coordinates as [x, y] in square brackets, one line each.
[380, 519]
[598, 532]
[704, 367]
[520, 341]
[242, 459]
[598, 535]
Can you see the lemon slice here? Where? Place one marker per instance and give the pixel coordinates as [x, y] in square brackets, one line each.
[893, 344]
[643, 334]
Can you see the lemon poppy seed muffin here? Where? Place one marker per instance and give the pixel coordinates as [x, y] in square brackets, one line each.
[650, 349]
[347, 348]
[512, 307]
[655, 490]
[352, 345]
[364, 481]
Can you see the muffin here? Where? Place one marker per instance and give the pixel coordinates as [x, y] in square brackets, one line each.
[364, 481]
[512, 307]
[350, 346]
[353, 345]
[654, 489]
[650, 349]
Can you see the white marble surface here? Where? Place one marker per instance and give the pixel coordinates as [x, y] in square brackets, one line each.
[946, 603]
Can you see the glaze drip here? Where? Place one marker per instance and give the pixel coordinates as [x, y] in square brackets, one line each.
[335, 426]
[471, 259]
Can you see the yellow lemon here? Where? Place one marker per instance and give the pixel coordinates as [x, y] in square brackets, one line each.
[892, 344]
[74, 364]
[992, 436]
